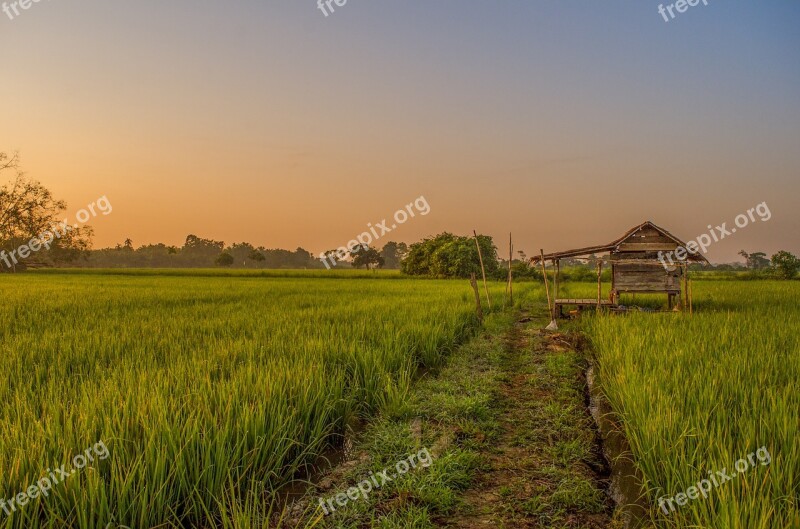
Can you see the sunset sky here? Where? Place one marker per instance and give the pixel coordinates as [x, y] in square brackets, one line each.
[266, 121]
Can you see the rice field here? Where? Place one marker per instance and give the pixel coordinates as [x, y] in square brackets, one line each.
[695, 394]
[209, 391]
[212, 390]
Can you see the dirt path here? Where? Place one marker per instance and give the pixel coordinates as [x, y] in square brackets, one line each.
[511, 440]
[544, 468]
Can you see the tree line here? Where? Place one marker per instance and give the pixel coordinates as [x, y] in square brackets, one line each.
[197, 252]
[28, 209]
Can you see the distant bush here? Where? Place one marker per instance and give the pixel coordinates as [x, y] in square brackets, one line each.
[578, 274]
[786, 265]
[224, 259]
[583, 274]
[521, 271]
[448, 255]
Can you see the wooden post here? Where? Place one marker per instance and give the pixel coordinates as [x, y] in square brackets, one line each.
[613, 294]
[483, 270]
[557, 266]
[510, 279]
[691, 308]
[685, 286]
[474, 285]
[599, 283]
[547, 287]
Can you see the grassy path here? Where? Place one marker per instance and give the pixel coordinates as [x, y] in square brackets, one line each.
[510, 437]
[542, 468]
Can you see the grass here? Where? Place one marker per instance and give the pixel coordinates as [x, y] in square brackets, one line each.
[512, 441]
[213, 389]
[452, 412]
[210, 392]
[696, 393]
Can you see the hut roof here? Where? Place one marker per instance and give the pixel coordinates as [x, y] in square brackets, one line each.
[692, 256]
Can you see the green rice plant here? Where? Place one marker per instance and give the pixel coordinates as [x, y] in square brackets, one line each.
[207, 388]
[694, 394]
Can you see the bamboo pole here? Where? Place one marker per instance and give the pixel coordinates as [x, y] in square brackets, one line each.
[546, 286]
[474, 285]
[510, 279]
[483, 270]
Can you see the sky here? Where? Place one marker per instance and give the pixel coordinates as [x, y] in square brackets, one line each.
[267, 121]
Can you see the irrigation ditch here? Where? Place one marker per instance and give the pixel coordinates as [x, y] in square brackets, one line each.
[625, 482]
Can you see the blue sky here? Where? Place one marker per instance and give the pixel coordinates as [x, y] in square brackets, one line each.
[247, 120]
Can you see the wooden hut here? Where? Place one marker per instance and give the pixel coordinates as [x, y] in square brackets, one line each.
[646, 259]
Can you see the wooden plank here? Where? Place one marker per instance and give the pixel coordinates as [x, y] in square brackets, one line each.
[651, 291]
[653, 240]
[644, 247]
[647, 283]
[649, 238]
[641, 266]
[647, 232]
[655, 263]
[591, 302]
[573, 301]
[628, 272]
[575, 253]
[630, 278]
[640, 275]
[621, 256]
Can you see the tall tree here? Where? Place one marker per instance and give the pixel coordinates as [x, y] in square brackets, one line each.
[393, 253]
[755, 260]
[197, 251]
[364, 255]
[29, 217]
